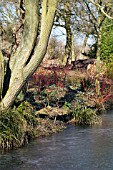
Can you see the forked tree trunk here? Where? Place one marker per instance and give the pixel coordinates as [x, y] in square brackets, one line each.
[23, 64]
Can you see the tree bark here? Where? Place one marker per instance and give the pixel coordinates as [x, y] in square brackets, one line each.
[22, 64]
[68, 45]
[73, 58]
[98, 53]
[1, 73]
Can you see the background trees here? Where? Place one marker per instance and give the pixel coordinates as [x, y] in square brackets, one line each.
[11, 24]
[85, 18]
[63, 19]
[25, 35]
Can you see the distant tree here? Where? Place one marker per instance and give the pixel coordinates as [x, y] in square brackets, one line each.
[64, 19]
[101, 7]
[55, 49]
[12, 21]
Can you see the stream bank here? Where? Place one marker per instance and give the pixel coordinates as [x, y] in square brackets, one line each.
[48, 109]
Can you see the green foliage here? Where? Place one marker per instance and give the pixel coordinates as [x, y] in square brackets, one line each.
[16, 126]
[110, 70]
[107, 45]
[26, 110]
[66, 105]
[107, 41]
[93, 51]
[84, 115]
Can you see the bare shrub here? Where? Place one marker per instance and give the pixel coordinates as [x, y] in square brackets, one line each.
[55, 49]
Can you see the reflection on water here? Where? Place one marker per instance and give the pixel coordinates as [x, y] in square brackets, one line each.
[76, 148]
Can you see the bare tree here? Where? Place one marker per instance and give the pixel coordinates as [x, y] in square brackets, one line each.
[63, 19]
[29, 54]
[99, 11]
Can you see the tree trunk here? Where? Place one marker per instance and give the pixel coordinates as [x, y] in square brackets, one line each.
[68, 35]
[73, 49]
[22, 64]
[68, 44]
[1, 74]
[98, 53]
[85, 41]
[84, 50]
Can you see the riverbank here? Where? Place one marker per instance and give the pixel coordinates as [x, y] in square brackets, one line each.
[47, 107]
[20, 125]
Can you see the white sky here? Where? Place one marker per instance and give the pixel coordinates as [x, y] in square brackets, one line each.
[60, 34]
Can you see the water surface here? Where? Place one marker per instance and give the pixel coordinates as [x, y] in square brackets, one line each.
[76, 148]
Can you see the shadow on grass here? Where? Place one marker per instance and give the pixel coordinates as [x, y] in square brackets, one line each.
[68, 97]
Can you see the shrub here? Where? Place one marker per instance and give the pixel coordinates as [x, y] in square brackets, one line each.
[107, 41]
[55, 49]
[110, 70]
[85, 116]
[44, 78]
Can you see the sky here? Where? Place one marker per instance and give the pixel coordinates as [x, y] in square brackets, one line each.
[60, 34]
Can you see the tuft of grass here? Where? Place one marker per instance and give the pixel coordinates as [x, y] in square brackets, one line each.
[85, 116]
[17, 126]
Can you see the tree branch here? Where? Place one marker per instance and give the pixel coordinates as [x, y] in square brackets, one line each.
[101, 8]
[41, 47]
[29, 35]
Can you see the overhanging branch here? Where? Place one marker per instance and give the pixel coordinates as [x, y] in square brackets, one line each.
[101, 8]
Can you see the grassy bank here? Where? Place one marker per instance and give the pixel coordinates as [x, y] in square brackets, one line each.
[20, 124]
